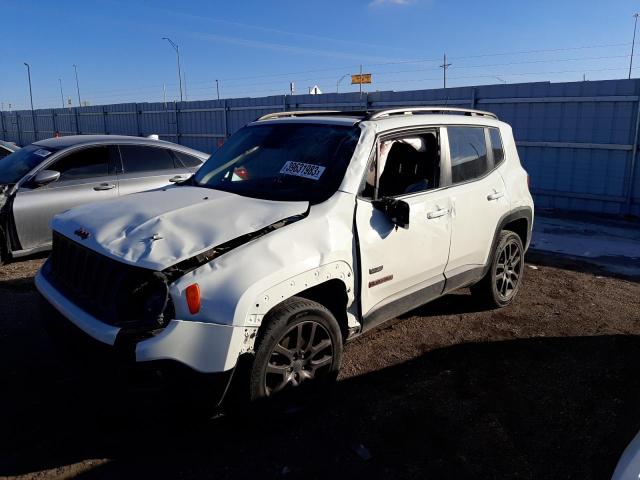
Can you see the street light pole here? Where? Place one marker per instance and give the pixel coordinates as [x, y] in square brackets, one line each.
[340, 80]
[33, 113]
[177, 49]
[30, 91]
[217, 89]
[61, 95]
[75, 67]
[633, 43]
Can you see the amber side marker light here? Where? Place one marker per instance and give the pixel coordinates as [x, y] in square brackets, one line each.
[193, 298]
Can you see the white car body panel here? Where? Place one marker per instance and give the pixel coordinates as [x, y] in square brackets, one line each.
[124, 228]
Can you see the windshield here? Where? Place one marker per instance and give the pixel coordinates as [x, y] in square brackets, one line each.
[15, 166]
[286, 161]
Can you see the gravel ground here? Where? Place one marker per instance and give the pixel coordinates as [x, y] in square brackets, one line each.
[546, 388]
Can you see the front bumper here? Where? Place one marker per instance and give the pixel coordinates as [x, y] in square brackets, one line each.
[203, 347]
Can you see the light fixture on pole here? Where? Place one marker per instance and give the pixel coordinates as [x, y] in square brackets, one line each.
[177, 49]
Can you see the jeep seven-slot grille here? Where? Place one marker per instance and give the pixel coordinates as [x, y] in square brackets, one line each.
[99, 285]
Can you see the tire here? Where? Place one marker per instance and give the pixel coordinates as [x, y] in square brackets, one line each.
[500, 286]
[301, 345]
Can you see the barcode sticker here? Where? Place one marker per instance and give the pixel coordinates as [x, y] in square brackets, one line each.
[42, 152]
[305, 170]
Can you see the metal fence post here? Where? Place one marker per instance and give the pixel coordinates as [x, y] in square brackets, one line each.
[473, 97]
[226, 119]
[4, 130]
[75, 111]
[634, 154]
[53, 122]
[104, 119]
[138, 113]
[177, 113]
[19, 129]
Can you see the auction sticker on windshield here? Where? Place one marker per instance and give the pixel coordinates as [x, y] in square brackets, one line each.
[305, 170]
[42, 152]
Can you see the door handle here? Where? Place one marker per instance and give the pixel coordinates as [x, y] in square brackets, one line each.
[438, 213]
[495, 196]
[177, 178]
[104, 186]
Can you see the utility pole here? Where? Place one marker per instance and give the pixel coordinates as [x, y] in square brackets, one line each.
[444, 67]
[177, 49]
[61, 95]
[75, 67]
[633, 43]
[217, 89]
[164, 94]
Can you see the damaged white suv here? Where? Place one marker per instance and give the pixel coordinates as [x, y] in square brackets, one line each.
[303, 231]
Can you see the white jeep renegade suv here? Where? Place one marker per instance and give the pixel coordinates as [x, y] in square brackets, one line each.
[303, 231]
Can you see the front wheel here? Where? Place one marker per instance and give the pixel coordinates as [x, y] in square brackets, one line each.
[300, 346]
[499, 287]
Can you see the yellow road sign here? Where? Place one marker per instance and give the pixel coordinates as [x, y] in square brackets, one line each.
[360, 78]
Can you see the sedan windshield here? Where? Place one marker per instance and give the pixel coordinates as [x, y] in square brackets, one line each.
[282, 161]
[15, 166]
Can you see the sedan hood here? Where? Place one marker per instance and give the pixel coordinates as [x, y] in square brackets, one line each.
[160, 228]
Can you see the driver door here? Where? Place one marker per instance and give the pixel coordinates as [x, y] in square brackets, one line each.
[86, 175]
[403, 268]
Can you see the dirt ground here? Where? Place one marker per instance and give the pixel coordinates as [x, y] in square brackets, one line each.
[546, 388]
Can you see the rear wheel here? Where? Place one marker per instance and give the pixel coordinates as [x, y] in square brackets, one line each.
[499, 287]
[300, 346]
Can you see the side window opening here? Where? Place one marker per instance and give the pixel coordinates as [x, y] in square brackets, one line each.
[186, 160]
[86, 163]
[468, 153]
[404, 165]
[138, 158]
[496, 146]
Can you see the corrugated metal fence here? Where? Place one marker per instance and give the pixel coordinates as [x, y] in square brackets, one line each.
[577, 140]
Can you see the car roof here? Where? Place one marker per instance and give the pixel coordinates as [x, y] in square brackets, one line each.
[60, 143]
[388, 119]
[9, 145]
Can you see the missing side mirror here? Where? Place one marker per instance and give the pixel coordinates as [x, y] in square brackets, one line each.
[396, 210]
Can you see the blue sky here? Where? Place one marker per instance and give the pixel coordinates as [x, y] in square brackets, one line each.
[256, 48]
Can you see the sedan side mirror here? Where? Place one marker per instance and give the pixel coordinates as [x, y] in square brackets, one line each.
[45, 177]
[396, 210]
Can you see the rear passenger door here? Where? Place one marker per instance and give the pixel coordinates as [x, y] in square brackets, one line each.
[478, 197]
[148, 167]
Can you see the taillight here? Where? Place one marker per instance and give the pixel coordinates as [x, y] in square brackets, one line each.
[193, 298]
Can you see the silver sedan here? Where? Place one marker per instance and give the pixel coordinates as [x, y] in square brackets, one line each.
[53, 175]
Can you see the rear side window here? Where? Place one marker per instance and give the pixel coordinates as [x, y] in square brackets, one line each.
[187, 160]
[137, 158]
[86, 163]
[4, 152]
[496, 145]
[468, 153]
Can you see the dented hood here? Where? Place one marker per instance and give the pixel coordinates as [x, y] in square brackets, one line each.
[160, 228]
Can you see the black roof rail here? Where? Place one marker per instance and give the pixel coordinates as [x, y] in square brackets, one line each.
[378, 114]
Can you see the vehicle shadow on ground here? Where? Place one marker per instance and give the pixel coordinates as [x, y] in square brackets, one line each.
[530, 408]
